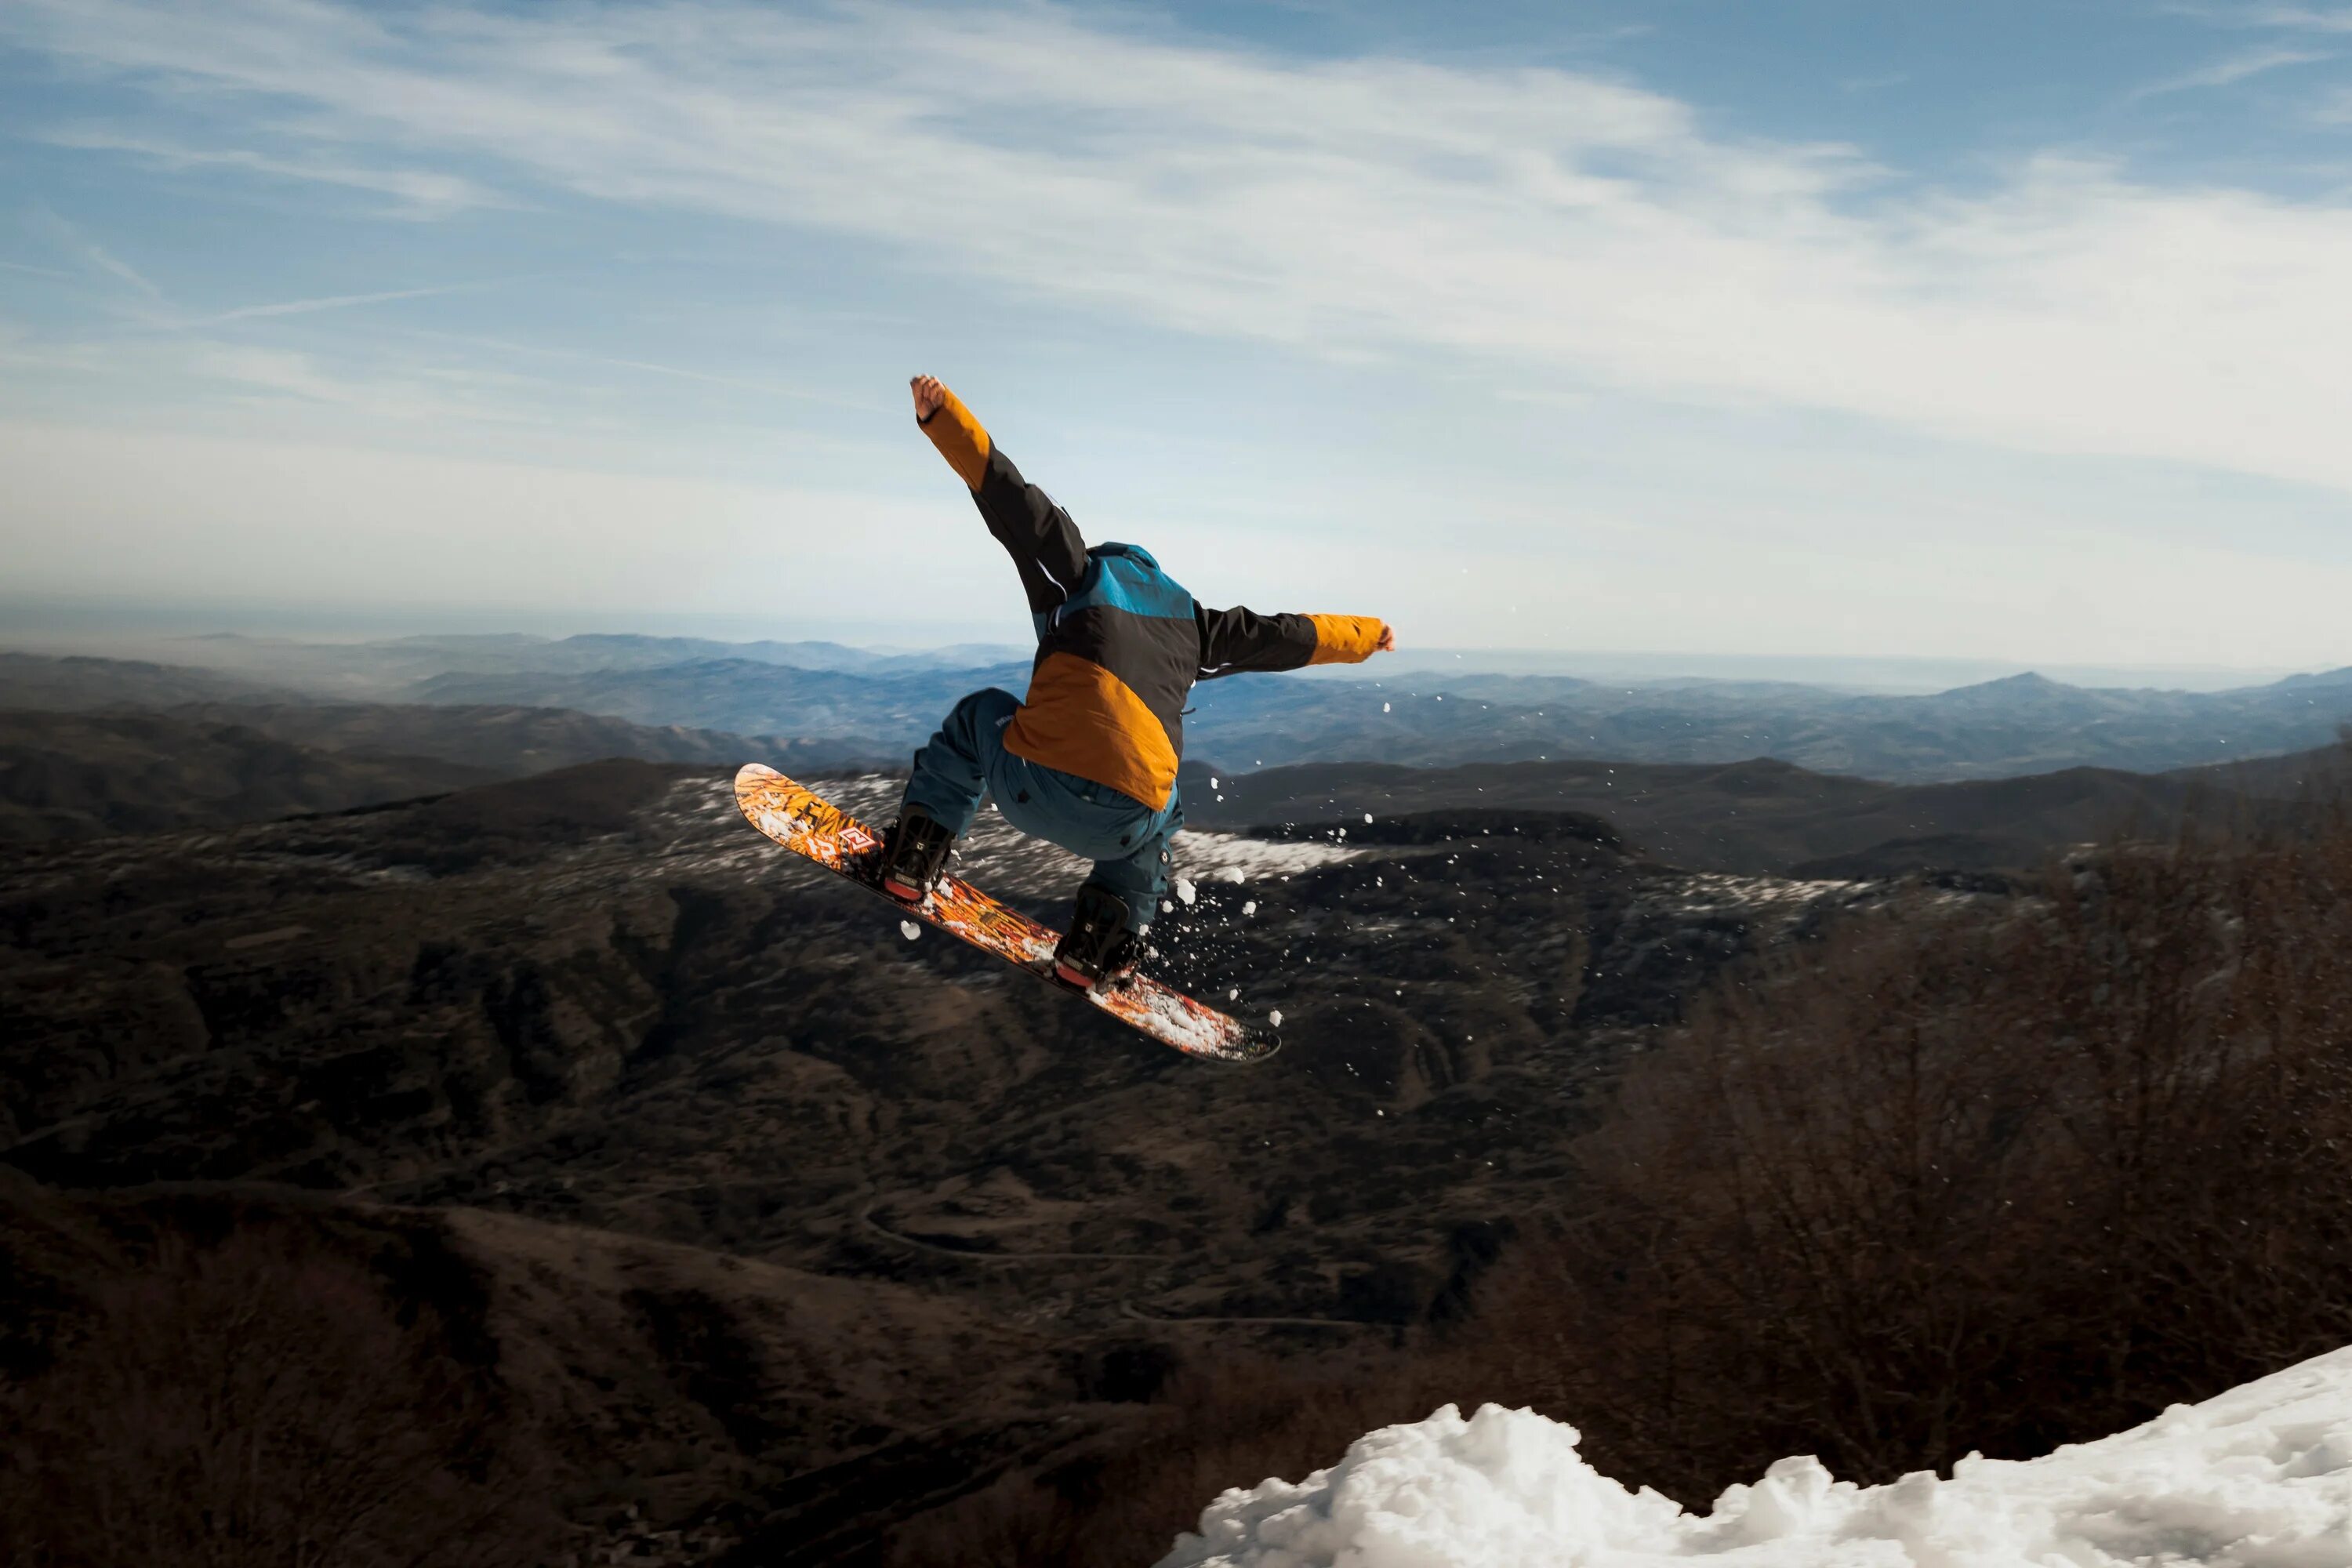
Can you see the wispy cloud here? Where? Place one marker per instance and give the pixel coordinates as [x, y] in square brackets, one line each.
[416, 192]
[383, 395]
[106, 261]
[328, 302]
[36, 271]
[2234, 69]
[672, 372]
[2305, 18]
[71, 239]
[1543, 218]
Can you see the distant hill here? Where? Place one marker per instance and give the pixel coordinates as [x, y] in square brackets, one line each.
[2020, 725]
[81, 684]
[1763, 815]
[2024, 724]
[886, 712]
[389, 667]
[77, 775]
[73, 775]
[507, 740]
[2326, 774]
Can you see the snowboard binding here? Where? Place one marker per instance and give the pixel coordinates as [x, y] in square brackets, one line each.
[1097, 947]
[915, 856]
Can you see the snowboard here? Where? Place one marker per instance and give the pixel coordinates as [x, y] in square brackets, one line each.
[809, 825]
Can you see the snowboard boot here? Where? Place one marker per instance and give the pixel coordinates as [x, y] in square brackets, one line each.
[916, 856]
[1097, 946]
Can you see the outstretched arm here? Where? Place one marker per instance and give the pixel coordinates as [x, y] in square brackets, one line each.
[1045, 544]
[1235, 640]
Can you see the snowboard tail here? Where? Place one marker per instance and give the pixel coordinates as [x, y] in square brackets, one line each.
[812, 826]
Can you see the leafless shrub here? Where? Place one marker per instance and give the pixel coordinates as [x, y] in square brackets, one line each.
[257, 1403]
[1957, 1180]
[1234, 1420]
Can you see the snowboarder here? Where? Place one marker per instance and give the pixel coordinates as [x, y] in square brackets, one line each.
[1088, 761]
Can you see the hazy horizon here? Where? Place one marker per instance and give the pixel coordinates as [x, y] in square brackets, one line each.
[1838, 330]
[166, 633]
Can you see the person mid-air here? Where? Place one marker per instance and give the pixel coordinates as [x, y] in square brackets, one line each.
[1090, 761]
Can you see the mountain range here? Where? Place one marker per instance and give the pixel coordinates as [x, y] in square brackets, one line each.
[850, 704]
[2020, 724]
[1733, 776]
[75, 775]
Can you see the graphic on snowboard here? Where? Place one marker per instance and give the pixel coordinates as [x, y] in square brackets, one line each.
[812, 826]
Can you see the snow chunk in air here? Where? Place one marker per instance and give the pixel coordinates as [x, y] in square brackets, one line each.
[2257, 1478]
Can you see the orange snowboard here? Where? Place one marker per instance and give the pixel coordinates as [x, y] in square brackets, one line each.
[806, 825]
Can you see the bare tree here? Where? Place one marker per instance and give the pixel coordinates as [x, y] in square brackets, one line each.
[259, 1402]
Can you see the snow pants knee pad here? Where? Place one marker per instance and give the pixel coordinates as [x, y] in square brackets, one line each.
[953, 769]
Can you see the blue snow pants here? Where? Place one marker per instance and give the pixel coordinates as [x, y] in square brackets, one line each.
[1127, 840]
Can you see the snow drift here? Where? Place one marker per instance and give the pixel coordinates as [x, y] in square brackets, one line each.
[2258, 1478]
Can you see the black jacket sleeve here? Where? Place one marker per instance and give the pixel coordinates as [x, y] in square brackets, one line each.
[1046, 545]
[1237, 639]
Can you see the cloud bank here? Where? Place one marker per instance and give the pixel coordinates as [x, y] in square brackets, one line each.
[1561, 224]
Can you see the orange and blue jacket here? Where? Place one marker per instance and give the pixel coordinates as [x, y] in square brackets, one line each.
[1119, 643]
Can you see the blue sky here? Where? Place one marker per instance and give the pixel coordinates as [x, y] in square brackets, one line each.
[1993, 331]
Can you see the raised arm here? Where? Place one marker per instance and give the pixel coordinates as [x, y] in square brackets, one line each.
[1235, 640]
[1045, 544]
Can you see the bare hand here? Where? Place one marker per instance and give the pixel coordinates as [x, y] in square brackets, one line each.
[931, 395]
[1388, 639]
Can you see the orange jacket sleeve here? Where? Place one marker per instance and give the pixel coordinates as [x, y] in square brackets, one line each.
[961, 440]
[1345, 640]
[1235, 640]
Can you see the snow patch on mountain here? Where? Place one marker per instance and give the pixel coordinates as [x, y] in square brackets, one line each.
[2258, 1478]
[1228, 856]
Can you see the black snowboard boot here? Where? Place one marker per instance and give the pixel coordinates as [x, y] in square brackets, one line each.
[916, 856]
[1099, 946]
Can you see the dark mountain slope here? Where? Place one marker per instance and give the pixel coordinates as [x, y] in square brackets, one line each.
[599, 1000]
[604, 998]
[507, 739]
[79, 684]
[660, 1385]
[1758, 815]
[2322, 774]
[784, 1223]
[122, 770]
[71, 775]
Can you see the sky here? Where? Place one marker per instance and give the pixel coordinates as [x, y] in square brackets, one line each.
[2012, 331]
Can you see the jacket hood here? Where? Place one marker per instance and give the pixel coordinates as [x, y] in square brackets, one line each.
[1127, 552]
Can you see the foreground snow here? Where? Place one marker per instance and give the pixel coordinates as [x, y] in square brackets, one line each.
[2258, 1478]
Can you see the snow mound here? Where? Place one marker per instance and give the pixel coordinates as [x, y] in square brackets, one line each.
[2258, 1478]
